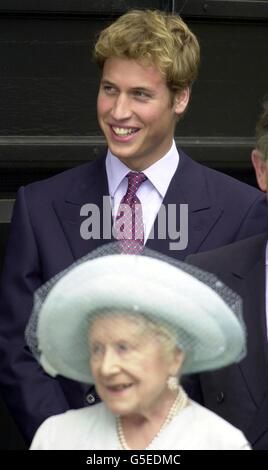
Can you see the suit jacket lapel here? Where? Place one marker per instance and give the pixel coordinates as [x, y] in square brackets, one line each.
[89, 187]
[188, 186]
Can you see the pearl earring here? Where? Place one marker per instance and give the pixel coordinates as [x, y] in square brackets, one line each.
[172, 383]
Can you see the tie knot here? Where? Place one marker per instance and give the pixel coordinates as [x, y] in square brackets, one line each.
[135, 179]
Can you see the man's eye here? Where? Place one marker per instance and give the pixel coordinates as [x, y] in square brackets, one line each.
[109, 89]
[141, 94]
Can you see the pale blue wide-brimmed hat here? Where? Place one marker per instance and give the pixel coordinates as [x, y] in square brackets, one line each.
[202, 312]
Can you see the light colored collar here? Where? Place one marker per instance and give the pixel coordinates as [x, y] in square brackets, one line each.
[116, 172]
[159, 174]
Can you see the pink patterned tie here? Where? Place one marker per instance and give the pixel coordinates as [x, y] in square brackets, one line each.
[128, 227]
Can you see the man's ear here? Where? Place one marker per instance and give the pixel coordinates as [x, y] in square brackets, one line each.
[261, 169]
[181, 101]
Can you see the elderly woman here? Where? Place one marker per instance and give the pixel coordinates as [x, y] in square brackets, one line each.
[131, 324]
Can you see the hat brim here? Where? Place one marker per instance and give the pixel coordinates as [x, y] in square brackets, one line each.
[206, 328]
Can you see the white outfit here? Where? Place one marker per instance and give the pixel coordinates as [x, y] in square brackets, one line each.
[94, 428]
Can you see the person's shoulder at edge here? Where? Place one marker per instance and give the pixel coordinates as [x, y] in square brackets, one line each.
[232, 253]
[66, 179]
[218, 178]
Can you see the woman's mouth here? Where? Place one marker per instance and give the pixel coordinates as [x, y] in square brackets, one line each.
[118, 388]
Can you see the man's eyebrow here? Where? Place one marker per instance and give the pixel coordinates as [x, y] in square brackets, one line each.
[143, 89]
[104, 81]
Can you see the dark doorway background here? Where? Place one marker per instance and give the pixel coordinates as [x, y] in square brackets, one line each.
[49, 85]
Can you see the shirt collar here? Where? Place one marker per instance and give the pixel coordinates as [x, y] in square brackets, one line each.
[116, 172]
[159, 174]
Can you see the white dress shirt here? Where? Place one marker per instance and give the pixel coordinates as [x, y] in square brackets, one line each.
[151, 193]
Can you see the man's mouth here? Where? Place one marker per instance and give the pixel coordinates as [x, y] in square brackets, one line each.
[124, 131]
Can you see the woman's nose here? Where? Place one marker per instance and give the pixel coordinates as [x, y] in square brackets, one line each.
[110, 363]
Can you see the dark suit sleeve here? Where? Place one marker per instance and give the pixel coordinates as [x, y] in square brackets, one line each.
[30, 394]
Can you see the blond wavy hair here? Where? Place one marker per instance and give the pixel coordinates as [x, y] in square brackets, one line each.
[262, 132]
[153, 37]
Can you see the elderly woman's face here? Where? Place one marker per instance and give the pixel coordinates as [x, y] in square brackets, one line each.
[129, 364]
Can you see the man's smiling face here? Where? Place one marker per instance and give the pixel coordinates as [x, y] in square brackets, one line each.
[136, 112]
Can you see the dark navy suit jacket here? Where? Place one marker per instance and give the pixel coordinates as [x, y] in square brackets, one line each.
[45, 239]
[239, 393]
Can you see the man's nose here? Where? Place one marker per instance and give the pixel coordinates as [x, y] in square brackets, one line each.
[110, 363]
[121, 109]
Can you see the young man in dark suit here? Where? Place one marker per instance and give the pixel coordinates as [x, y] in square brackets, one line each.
[240, 393]
[148, 61]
